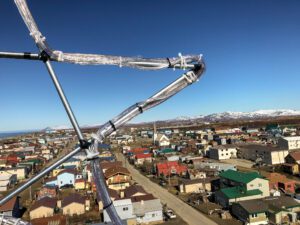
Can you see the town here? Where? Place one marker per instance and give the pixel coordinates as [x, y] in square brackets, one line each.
[225, 175]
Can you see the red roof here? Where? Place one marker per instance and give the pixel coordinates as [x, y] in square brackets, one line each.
[8, 206]
[170, 167]
[295, 155]
[138, 150]
[143, 156]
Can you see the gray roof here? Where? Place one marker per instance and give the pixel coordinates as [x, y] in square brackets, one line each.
[142, 207]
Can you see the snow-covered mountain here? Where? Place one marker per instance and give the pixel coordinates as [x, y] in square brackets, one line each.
[243, 115]
[224, 116]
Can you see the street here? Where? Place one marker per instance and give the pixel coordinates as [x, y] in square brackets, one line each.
[186, 212]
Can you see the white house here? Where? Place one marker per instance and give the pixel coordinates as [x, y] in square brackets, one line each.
[161, 140]
[6, 181]
[124, 209]
[289, 142]
[148, 211]
[222, 152]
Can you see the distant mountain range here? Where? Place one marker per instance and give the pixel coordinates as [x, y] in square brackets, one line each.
[216, 117]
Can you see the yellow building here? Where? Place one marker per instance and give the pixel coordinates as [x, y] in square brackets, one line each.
[74, 204]
[117, 178]
[43, 208]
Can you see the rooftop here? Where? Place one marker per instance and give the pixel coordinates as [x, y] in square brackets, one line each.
[240, 177]
[238, 192]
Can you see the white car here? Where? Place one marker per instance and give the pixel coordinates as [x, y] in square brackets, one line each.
[170, 214]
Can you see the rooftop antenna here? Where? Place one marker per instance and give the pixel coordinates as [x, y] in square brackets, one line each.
[46, 54]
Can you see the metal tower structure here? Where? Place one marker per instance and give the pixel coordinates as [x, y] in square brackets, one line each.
[193, 63]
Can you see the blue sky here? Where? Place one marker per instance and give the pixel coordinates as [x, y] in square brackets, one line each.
[251, 49]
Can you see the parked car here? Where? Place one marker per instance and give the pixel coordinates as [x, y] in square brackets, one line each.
[170, 214]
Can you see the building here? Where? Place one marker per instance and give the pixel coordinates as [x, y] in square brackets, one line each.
[196, 174]
[147, 209]
[239, 186]
[289, 143]
[161, 140]
[141, 158]
[47, 191]
[278, 181]
[133, 191]
[170, 168]
[6, 181]
[124, 209]
[251, 212]
[265, 154]
[293, 158]
[282, 209]
[20, 172]
[117, 177]
[53, 220]
[66, 177]
[222, 152]
[195, 186]
[44, 207]
[221, 167]
[74, 204]
[11, 208]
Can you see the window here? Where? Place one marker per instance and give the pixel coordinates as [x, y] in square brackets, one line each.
[153, 215]
[125, 209]
[254, 215]
[259, 185]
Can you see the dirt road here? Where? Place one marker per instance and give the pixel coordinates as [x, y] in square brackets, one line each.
[186, 212]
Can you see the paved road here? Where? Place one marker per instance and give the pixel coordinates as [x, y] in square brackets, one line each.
[186, 212]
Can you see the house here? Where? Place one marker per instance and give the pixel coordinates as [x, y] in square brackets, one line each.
[196, 174]
[113, 196]
[251, 212]
[293, 158]
[66, 177]
[11, 208]
[278, 181]
[141, 158]
[170, 168]
[147, 209]
[47, 191]
[289, 143]
[51, 181]
[117, 177]
[44, 207]
[161, 140]
[106, 165]
[74, 204]
[72, 162]
[240, 186]
[222, 152]
[20, 172]
[195, 186]
[124, 209]
[53, 220]
[133, 191]
[266, 154]
[282, 209]
[270, 210]
[166, 151]
[226, 196]
[80, 184]
[221, 167]
[6, 181]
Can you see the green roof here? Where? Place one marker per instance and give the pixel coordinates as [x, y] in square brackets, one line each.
[240, 177]
[167, 150]
[238, 192]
